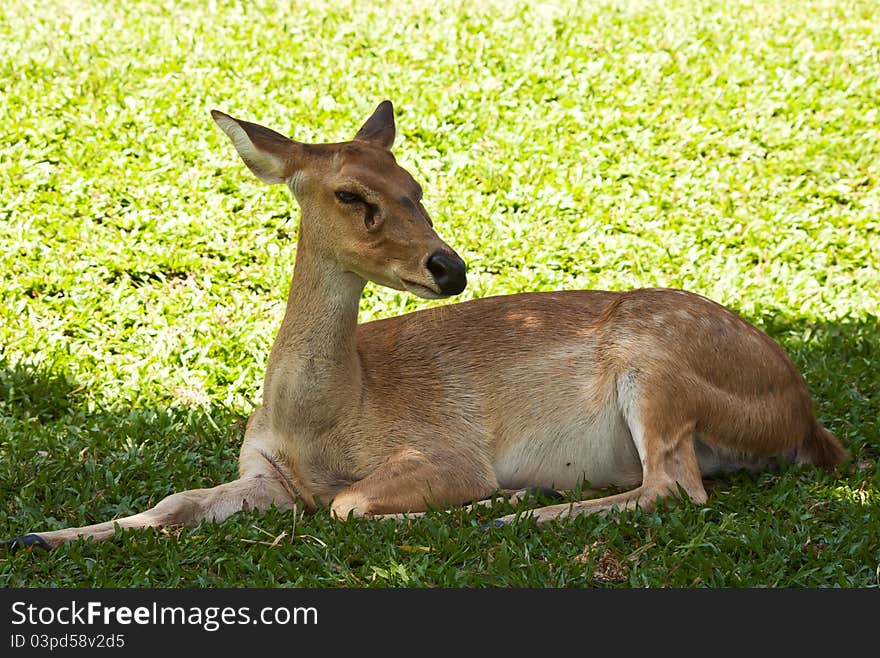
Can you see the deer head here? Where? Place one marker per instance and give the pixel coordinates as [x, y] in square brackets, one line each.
[360, 209]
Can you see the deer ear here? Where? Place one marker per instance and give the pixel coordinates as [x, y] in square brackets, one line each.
[266, 153]
[379, 128]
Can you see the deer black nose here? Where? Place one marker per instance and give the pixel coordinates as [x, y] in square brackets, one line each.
[448, 271]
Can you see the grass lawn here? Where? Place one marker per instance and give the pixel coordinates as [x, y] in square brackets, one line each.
[728, 148]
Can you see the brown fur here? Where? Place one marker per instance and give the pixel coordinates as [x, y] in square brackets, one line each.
[647, 389]
[821, 447]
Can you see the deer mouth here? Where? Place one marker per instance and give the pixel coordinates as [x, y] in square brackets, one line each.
[421, 291]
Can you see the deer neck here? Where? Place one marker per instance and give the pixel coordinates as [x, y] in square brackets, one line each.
[314, 371]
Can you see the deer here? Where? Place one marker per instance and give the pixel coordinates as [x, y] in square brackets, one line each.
[644, 391]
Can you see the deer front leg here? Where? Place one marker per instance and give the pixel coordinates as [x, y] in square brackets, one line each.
[184, 508]
[411, 482]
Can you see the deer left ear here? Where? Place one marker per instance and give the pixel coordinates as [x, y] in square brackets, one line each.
[270, 155]
[379, 128]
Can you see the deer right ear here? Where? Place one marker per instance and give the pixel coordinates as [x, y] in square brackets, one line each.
[379, 128]
[266, 153]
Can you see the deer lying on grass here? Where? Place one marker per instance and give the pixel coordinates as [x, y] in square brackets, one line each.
[648, 390]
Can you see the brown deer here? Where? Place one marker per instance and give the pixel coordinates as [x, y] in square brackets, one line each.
[647, 390]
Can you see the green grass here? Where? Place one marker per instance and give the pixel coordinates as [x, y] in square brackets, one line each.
[732, 149]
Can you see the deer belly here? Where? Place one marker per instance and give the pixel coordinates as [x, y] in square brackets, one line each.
[594, 452]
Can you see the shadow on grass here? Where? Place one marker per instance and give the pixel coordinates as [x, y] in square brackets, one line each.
[67, 460]
[31, 393]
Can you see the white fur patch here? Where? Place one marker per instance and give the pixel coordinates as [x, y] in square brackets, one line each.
[565, 450]
[627, 396]
[295, 183]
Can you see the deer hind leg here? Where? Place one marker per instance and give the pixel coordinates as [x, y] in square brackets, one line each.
[669, 465]
[189, 508]
[512, 496]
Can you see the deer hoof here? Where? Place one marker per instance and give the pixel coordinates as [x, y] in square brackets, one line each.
[545, 492]
[494, 523]
[26, 541]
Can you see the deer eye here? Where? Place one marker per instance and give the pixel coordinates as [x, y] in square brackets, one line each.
[347, 197]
